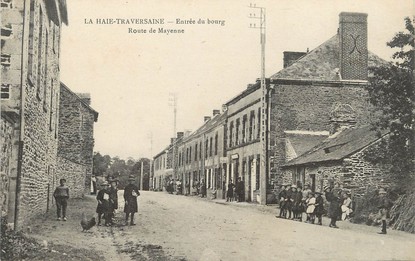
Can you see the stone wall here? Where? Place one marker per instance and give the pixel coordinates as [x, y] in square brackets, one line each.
[7, 134]
[74, 174]
[353, 173]
[76, 129]
[308, 107]
[40, 71]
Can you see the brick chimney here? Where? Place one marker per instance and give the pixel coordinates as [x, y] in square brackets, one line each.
[216, 112]
[207, 118]
[353, 46]
[292, 57]
[180, 134]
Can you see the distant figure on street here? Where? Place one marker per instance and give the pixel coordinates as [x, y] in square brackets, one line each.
[61, 196]
[319, 210]
[229, 193]
[334, 208]
[384, 209]
[103, 197]
[179, 187]
[289, 200]
[113, 203]
[311, 205]
[297, 204]
[196, 186]
[282, 196]
[187, 188]
[346, 206]
[240, 189]
[203, 188]
[130, 197]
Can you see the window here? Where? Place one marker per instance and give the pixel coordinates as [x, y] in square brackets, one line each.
[259, 124]
[196, 152]
[39, 53]
[6, 31]
[190, 154]
[45, 79]
[237, 132]
[5, 60]
[206, 148]
[244, 128]
[251, 125]
[6, 4]
[210, 147]
[31, 43]
[257, 185]
[216, 144]
[231, 135]
[5, 91]
[200, 150]
[51, 106]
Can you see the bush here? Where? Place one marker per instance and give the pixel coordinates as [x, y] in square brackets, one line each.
[366, 208]
[15, 245]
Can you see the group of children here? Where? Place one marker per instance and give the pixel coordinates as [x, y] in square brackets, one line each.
[293, 201]
[107, 199]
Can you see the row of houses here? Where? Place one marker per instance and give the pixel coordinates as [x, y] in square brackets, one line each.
[46, 129]
[318, 126]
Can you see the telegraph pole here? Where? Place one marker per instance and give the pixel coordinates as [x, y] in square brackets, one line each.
[173, 103]
[260, 24]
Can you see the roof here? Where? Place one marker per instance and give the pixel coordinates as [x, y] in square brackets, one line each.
[82, 101]
[321, 63]
[302, 142]
[338, 146]
[163, 151]
[208, 125]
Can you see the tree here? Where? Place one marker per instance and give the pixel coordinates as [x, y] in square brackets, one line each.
[100, 164]
[391, 91]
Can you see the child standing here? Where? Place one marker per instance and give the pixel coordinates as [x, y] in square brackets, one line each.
[61, 196]
[130, 197]
[311, 204]
[319, 210]
[103, 202]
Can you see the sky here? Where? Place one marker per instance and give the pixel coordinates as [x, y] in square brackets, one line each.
[131, 76]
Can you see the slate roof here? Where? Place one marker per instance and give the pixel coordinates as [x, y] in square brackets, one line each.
[339, 146]
[321, 63]
[208, 125]
[301, 143]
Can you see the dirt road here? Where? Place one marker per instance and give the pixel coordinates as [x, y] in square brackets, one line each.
[171, 227]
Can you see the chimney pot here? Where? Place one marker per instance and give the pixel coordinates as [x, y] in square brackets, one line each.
[216, 112]
[180, 134]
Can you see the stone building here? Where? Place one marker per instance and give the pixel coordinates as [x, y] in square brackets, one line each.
[201, 155]
[243, 146]
[162, 168]
[75, 140]
[321, 91]
[339, 159]
[30, 50]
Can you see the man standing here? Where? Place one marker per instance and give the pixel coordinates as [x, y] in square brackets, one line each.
[61, 196]
[282, 196]
[240, 187]
[334, 208]
[384, 209]
[130, 197]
